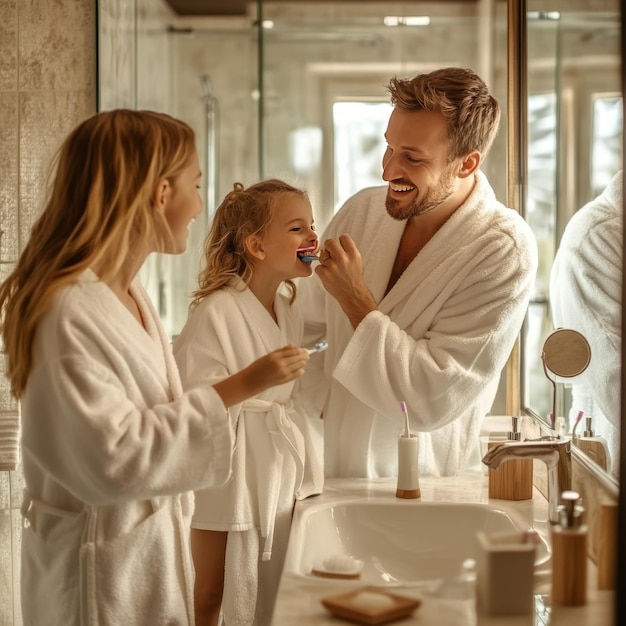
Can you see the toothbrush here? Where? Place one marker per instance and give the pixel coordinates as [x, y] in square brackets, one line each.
[318, 347]
[407, 431]
[307, 258]
[578, 418]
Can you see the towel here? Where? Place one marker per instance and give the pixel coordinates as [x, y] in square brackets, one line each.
[9, 440]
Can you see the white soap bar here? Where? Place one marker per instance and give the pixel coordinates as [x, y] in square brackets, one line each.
[372, 600]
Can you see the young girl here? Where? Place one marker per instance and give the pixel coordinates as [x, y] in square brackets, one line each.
[239, 313]
[111, 446]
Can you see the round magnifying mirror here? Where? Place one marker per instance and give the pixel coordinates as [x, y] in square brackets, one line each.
[566, 353]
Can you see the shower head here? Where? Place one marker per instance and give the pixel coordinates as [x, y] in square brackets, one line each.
[207, 88]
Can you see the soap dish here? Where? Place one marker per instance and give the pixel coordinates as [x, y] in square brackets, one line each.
[370, 605]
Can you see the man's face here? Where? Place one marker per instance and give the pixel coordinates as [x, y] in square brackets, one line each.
[416, 164]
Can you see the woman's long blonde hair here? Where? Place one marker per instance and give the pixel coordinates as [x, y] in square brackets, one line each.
[98, 210]
[242, 213]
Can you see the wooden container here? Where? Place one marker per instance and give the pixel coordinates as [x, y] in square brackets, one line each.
[569, 553]
[569, 566]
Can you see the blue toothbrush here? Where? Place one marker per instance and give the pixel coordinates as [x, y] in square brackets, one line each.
[318, 347]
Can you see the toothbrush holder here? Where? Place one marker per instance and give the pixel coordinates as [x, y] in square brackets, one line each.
[408, 476]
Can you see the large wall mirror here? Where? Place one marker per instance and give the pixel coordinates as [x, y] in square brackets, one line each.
[297, 90]
[574, 152]
[286, 88]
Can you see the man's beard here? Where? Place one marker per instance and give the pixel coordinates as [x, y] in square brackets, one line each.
[434, 197]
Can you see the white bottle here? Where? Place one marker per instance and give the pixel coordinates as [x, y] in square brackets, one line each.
[408, 476]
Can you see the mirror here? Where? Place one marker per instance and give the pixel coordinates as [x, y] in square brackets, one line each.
[566, 353]
[574, 149]
[297, 91]
[290, 92]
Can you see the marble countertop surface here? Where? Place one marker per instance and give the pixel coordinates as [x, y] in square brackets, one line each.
[299, 599]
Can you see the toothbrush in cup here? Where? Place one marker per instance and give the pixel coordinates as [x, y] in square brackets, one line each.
[407, 430]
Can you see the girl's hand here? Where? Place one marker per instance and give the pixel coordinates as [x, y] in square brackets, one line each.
[275, 368]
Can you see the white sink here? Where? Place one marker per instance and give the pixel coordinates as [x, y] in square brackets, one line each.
[400, 542]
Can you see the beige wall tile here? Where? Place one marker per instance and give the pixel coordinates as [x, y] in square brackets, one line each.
[8, 45]
[46, 117]
[57, 42]
[9, 169]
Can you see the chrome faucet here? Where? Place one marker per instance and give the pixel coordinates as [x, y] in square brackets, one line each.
[555, 452]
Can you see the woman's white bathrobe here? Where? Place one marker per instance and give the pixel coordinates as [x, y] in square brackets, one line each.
[438, 341]
[274, 460]
[586, 295]
[112, 450]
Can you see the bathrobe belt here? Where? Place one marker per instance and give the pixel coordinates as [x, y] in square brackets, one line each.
[29, 504]
[285, 438]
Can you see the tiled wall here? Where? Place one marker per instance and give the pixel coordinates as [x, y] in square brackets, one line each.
[47, 85]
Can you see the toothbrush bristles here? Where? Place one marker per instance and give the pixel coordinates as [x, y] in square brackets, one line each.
[318, 347]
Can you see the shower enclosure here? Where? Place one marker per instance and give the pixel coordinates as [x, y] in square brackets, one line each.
[298, 91]
[211, 138]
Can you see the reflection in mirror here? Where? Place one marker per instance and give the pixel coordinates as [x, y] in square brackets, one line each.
[566, 353]
[585, 290]
[299, 94]
[574, 139]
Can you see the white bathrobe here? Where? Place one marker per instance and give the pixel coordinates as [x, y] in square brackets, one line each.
[112, 450]
[438, 341]
[586, 295]
[274, 461]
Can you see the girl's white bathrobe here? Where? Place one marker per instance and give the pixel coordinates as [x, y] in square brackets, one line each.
[274, 461]
[438, 340]
[112, 450]
[586, 295]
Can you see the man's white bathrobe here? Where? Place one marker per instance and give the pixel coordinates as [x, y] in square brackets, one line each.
[438, 340]
[586, 295]
[112, 450]
[274, 461]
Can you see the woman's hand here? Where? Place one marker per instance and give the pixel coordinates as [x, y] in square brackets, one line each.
[275, 368]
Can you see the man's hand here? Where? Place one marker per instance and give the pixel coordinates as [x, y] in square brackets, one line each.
[341, 272]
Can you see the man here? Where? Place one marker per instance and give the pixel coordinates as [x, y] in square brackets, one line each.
[421, 302]
[586, 295]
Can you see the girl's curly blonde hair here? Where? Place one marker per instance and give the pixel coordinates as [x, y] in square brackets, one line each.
[242, 213]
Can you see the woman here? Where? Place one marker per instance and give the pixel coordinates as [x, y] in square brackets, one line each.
[111, 445]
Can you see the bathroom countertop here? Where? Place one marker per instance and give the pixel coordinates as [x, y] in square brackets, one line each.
[299, 600]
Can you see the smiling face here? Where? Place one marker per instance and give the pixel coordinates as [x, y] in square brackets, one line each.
[416, 164]
[182, 204]
[291, 228]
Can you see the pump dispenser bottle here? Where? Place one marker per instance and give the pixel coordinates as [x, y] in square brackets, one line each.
[569, 553]
[595, 447]
[513, 480]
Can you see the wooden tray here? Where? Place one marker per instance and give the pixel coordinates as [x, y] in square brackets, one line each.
[346, 606]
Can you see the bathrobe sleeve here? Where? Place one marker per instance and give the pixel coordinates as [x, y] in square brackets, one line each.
[439, 372]
[100, 416]
[585, 291]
